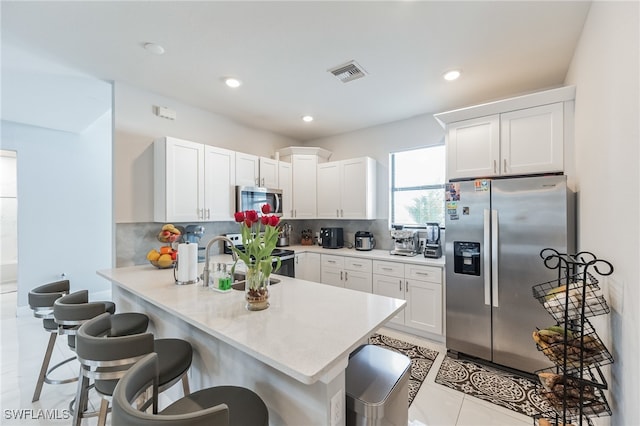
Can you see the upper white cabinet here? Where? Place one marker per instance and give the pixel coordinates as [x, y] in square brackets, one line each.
[252, 170]
[304, 186]
[192, 181]
[473, 147]
[532, 140]
[285, 182]
[346, 189]
[522, 135]
[247, 169]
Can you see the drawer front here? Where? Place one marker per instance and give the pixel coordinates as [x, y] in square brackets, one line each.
[423, 273]
[392, 269]
[332, 261]
[358, 264]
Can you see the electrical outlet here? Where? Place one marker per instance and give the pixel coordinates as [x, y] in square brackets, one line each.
[337, 408]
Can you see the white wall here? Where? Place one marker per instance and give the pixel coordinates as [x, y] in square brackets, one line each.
[606, 72]
[9, 217]
[378, 141]
[64, 214]
[136, 127]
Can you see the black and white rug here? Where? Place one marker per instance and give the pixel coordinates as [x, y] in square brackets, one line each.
[499, 387]
[421, 359]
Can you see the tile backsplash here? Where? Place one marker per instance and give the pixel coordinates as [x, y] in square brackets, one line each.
[134, 240]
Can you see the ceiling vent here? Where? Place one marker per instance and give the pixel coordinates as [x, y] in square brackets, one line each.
[348, 72]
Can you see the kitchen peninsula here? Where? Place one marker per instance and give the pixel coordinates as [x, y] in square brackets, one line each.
[293, 354]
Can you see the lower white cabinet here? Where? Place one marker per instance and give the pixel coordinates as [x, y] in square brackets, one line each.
[347, 272]
[419, 285]
[308, 266]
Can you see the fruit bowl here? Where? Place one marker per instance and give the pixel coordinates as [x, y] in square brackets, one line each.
[157, 265]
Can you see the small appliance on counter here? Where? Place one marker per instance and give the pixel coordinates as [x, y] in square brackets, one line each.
[405, 242]
[192, 234]
[284, 235]
[332, 237]
[432, 247]
[365, 241]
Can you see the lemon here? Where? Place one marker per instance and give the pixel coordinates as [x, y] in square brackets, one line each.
[153, 255]
[165, 260]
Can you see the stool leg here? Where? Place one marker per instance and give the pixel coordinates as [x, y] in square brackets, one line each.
[104, 408]
[81, 399]
[185, 384]
[45, 366]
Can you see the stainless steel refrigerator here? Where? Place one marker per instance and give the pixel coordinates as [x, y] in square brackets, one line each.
[495, 230]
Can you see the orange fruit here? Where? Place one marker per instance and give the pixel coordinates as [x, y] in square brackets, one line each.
[166, 250]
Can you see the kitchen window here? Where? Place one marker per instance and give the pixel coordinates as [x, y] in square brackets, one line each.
[417, 186]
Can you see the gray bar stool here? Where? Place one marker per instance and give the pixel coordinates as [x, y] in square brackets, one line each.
[216, 406]
[41, 300]
[73, 310]
[105, 358]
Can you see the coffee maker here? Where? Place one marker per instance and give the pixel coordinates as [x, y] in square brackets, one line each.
[405, 242]
[432, 247]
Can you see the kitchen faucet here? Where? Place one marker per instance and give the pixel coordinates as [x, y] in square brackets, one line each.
[205, 272]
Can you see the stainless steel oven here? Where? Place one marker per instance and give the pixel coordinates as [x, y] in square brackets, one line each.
[287, 257]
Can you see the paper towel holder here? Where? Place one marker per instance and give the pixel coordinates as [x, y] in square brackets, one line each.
[176, 271]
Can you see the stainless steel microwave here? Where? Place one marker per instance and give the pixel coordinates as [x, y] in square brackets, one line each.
[253, 198]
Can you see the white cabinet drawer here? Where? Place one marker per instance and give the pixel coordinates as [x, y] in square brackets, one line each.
[388, 268]
[332, 261]
[357, 264]
[423, 273]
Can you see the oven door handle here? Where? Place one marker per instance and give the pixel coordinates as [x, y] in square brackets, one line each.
[287, 257]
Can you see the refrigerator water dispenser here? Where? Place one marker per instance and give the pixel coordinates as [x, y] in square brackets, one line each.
[466, 257]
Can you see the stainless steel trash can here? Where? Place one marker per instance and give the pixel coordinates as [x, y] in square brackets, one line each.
[377, 387]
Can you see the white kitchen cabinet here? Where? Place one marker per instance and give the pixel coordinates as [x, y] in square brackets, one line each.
[219, 184]
[188, 183]
[252, 170]
[419, 285]
[304, 185]
[308, 266]
[247, 169]
[347, 272]
[522, 135]
[347, 189]
[285, 183]
[268, 174]
[473, 147]
[532, 140]
[423, 288]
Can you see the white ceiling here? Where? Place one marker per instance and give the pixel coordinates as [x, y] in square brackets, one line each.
[282, 51]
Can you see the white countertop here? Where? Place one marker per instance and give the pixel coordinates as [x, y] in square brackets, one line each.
[370, 254]
[307, 332]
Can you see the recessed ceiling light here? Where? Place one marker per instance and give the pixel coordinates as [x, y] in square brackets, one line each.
[232, 82]
[451, 75]
[156, 49]
[307, 118]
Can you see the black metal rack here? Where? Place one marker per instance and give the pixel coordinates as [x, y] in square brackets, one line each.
[573, 388]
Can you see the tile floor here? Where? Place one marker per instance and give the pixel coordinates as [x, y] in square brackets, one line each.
[24, 342]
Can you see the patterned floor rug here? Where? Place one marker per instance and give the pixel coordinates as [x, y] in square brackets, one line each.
[496, 386]
[421, 359]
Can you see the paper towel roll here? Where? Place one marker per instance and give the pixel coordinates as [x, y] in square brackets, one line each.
[187, 263]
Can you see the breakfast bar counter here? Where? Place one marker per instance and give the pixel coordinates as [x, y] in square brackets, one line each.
[293, 354]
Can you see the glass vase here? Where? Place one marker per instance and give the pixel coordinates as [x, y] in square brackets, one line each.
[256, 288]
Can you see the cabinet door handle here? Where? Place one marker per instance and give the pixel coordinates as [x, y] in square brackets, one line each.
[406, 286]
[357, 264]
[400, 288]
[208, 213]
[341, 213]
[331, 261]
[494, 166]
[200, 213]
[262, 181]
[422, 273]
[345, 275]
[340, 275]
[505, 165]
[386, 269]
[337, 213]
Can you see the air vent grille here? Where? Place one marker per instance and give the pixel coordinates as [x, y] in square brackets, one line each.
[348, 72]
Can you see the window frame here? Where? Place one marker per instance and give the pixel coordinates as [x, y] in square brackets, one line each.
[393, 189]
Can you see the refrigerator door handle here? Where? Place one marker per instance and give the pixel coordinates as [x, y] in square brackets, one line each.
[487, 257]
[494, 257]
